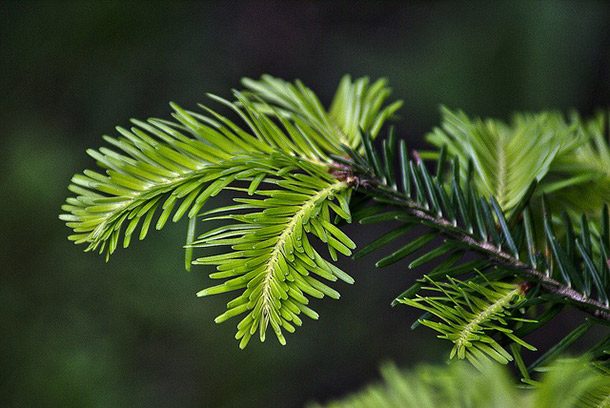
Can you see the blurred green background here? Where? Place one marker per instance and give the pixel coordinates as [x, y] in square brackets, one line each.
[79, 332]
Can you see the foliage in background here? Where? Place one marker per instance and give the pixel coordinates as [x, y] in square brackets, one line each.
[569, 158]
[564, 384]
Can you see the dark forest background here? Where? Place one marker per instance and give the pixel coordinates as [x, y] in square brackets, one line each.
[78, 332]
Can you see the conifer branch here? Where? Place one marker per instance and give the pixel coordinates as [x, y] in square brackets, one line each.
[284, 167]
[161, 169]
[492, 252]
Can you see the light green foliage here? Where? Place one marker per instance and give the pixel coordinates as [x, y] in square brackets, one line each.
[568, 157]
[566, 384]
[468, 312]
[159, 170]
[271, 257]
[507, 159]
[358, 106]
[584, 172]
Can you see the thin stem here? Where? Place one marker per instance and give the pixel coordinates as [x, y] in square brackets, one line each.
[280, 245]
[484, 315]
[494, 253]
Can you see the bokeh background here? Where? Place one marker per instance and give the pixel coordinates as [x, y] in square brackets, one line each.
[79, 332]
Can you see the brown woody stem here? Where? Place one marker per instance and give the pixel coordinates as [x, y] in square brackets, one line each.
[594, 307]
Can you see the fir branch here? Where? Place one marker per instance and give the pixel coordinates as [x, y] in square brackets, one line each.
[288, 152]
[492, 252]
[169, 169]
[467, 312]
[480, 225]
[271, 257]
